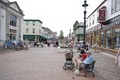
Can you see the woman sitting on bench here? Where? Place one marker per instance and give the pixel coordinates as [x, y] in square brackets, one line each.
[82, 56]
[88, 60]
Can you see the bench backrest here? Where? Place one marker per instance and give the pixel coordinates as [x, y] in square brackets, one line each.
[90, 67]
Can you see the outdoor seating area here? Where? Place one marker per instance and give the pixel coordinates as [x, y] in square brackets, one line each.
[84, 63]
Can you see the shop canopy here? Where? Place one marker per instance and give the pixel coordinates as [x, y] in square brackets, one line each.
[41, 38]
[32, 37]
[29, 37]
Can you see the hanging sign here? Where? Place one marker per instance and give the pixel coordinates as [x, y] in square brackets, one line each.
[102, 14]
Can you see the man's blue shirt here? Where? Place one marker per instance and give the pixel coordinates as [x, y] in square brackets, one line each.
[88, 60]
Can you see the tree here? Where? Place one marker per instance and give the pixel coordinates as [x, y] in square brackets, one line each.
[61, 36]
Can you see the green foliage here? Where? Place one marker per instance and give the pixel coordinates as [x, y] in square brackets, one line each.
[61, 35]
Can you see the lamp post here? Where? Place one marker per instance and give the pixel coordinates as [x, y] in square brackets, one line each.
[84, 5]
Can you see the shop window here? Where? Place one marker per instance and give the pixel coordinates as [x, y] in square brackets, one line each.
[102, 42]
[108, 39]
[116, 37]
[96, 37]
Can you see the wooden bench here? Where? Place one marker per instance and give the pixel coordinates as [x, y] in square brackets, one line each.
[89, 68]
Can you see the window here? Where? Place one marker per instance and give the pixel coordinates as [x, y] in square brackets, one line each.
[27, 23]
[116, 37]
[33, 23]
[33, 30]
[115, 6]
[39, 31]
[13, 20]
[102, 42]
[87, 26]
[90, 24]
[108, 39]
[93, 20]
[27, 30]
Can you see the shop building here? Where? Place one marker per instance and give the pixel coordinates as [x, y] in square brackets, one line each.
[78, 31]
[48, 33]
[11, 17]
[32, 30]
[103, 25]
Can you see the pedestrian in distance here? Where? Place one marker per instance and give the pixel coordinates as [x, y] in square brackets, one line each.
[57, 44]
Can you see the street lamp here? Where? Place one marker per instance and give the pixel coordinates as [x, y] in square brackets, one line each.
[84, 5]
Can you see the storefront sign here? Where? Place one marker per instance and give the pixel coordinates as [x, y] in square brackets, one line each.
[102, 14]
[97, 27]
[117, 30]
[13, 27]
[115, 21]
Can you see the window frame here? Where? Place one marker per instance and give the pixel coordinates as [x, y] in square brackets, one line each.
[27, 30]
[114, 4]
[27, 23]
[33, 23]
[33, 30]
[13, 20]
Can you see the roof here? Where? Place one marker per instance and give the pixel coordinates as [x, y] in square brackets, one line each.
[77, 25]
[3, 2]
[33, 20]
[14, 2]
[6, 1]
[47, 29]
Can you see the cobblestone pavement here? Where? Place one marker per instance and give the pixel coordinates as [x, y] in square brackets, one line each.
[3, 51]
[105, 68]
[46, 64]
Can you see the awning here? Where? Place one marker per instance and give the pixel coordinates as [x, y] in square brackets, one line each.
[32, 37]
[41, 38]
[29, 37]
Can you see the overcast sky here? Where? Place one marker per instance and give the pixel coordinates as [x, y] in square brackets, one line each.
[56, 14]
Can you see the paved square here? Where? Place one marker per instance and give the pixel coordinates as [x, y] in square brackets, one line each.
[46, 64]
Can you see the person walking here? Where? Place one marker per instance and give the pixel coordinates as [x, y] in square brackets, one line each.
[57, 44]
[118, 58]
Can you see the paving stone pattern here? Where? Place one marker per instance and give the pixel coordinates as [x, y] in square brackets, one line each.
[46, 64]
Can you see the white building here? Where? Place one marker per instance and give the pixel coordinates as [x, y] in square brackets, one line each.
[32, 30]
[78, 29]
[48, 34]
[103, 25]
[11, 17]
